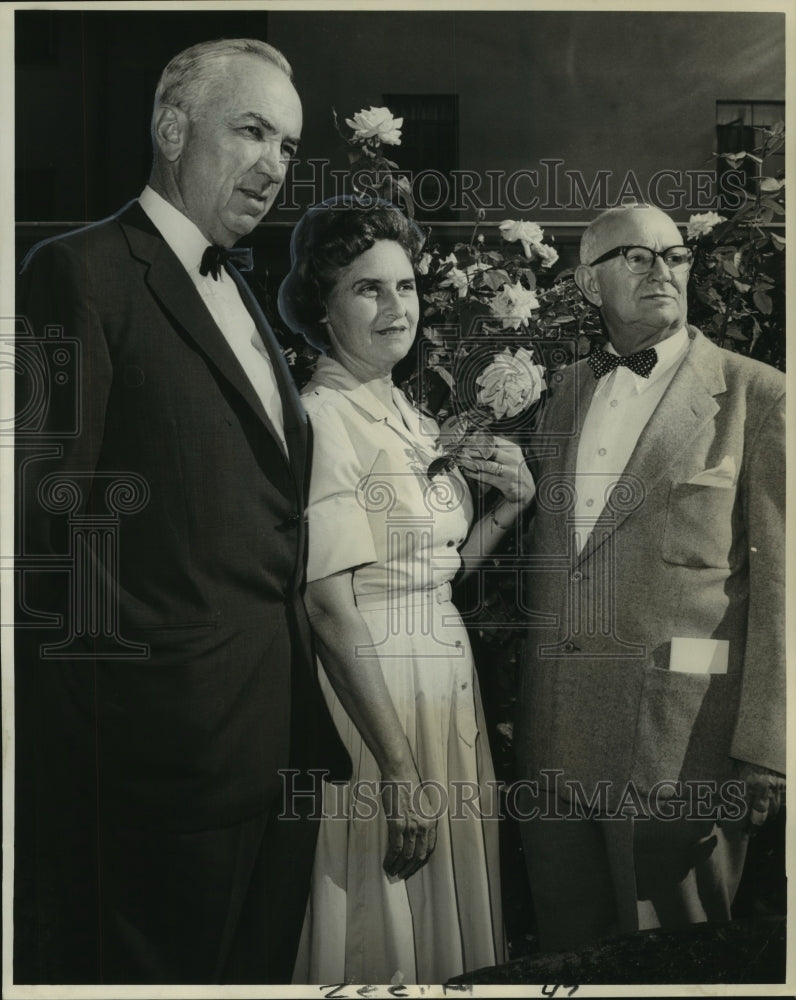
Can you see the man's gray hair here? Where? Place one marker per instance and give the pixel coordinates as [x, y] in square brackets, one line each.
[593, 233]
[185, 79]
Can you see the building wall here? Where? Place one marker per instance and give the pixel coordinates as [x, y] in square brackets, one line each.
[607, 91]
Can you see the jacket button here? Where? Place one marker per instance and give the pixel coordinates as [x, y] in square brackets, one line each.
[577, 576]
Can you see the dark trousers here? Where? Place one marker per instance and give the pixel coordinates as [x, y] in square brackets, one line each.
[218, 906]
[592, 878]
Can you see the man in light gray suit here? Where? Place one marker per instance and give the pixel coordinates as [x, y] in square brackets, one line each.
[651, 728]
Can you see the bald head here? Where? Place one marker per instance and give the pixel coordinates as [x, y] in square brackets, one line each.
[609, 230]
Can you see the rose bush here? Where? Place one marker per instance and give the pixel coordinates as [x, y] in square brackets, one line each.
[737, 285]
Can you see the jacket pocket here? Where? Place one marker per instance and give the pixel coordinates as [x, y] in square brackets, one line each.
[698, 530]
[684, 727]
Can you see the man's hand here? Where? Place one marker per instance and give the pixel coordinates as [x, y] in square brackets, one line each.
[411, 827]
[764, 792]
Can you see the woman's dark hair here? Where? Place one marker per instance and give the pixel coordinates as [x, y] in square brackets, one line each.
[328, 237]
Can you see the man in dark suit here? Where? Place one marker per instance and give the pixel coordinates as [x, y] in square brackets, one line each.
[651, 728]
[153, 725]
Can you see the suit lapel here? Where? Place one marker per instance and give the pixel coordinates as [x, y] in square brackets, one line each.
[294, 417]
[172, 286]
[585, 384]
[562, 467]
[685, 406]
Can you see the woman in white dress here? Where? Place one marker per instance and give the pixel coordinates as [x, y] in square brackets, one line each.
[406, 882]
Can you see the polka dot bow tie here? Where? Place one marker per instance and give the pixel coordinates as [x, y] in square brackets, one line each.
[640, 363]
[214, 258]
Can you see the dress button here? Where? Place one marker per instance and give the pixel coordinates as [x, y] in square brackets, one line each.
[590, 502]
[614, 402]
[602, 451]
[450, 542]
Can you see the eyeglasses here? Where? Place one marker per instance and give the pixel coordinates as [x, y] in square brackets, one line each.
[640, 260]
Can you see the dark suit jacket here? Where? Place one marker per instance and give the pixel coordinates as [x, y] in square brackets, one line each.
[668, 557]
[186, 649]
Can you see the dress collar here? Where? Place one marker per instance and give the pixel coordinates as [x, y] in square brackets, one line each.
[413, 427]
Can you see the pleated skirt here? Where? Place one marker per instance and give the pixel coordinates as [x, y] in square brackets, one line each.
[361, 926]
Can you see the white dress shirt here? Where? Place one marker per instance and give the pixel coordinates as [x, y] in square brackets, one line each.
[622, 404]
[223, 300]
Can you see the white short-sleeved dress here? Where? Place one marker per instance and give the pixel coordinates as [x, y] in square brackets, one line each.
[374, 509]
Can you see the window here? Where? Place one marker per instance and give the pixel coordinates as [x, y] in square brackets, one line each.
[429, 147]
[738, 129]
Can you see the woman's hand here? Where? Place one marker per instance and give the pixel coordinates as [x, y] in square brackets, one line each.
[343, 641]
[411, 827]
[506, 470]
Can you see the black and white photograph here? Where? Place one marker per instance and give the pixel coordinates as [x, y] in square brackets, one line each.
[393, 531]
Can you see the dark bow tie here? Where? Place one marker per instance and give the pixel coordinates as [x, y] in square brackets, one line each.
[215, 257]
[641, 363]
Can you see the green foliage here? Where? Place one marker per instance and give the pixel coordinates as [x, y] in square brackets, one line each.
[737, 286]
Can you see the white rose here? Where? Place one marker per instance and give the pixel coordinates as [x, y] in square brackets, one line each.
[376, 123]
[546, 254]
[511, 383]
[526, 232]
[455, 278]
[514, 304]
[701, 225]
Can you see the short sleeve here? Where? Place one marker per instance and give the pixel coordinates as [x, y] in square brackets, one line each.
[339, 535]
